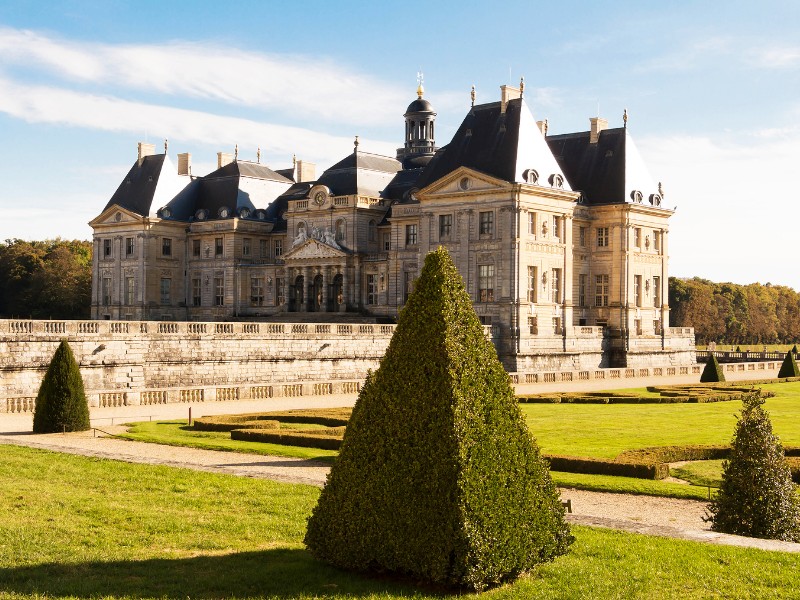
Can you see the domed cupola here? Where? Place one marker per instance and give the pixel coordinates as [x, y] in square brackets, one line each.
[420, 145]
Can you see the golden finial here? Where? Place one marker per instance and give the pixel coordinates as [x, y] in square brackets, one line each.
[472, 95]
[355, 145]
[166, 145]
[258, 155]
[521, 86]
[236, 152]
[420, 89]
[625, 118]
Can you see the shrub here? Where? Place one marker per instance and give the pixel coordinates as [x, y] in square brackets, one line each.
[599, 466]
[288, 438]
[229, 424]
[789, 367]
[61, 403]
[757, 497]
[712, 372]
[438, 477]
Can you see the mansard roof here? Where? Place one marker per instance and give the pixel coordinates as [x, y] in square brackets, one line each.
[608, 171]
[151, 182]
[502, 144]
[360, 173]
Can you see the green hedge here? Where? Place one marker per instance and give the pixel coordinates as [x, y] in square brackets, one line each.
[214, 424]
[288, 438]
[670, 454]
[598, 466]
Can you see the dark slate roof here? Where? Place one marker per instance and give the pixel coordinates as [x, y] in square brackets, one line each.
[136, 191]
[288, 173]
[360, 173]
[419, 106]
[247, 169]
[402, 182]
[597, 170]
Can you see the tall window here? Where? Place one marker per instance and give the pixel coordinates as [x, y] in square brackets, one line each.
[196, 248]
[533, 326]
[106, 290]
[166, 247]
[557, 325]
[557, 227]
[532, 281]
[657, 292]
[166, 290]
[602, 237]
[637, 237]
[130, 291]
[637, 290]
[197, 292]
[601, 290]
[256, 291]
[107, 248]
[218, 247]
[411, 235]
[485, 283]
[531, 223]
[486, 223]
[408, 285]
[557, 285]
[582, 280]
[219, 291]
[278, 247]
[445, 226]
[340, 230]
[280, 296]
[372, 289]
[387, 241]
[246, 244]
[657, 241]
[263, 249]
[581, 236]
[372, 230]
[129, 246]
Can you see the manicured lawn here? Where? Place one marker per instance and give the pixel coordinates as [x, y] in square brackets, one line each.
[178, 433]
[701, 472]
[605, 430]
[86, 528]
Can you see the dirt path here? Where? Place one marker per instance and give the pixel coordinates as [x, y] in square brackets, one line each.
[667, 517]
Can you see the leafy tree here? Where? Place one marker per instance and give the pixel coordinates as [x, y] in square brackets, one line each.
[757, 497]
[712, 371]
[438, 476]
[789, 367]
[61, 403]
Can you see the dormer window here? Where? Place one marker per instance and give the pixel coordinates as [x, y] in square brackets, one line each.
[637, 196]
[530, 176]
[655, 199]
[556, 181]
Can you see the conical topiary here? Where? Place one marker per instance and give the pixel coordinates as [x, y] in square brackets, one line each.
[757, 497]
[438, 477]
[794, 349]
[712, 371]
[789, 367]
[61, 403]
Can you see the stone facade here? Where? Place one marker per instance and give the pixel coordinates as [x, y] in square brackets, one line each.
[567, 263]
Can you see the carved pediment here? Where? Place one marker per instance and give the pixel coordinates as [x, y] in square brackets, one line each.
[312, 248]
[462, 180]
[115, 215]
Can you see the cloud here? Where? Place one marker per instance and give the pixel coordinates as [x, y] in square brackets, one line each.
[776, 58]
[297, 85]
[45, 104]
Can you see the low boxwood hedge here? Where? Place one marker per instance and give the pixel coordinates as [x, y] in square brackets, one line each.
[598, 466]
[288, 438]
[215, 424]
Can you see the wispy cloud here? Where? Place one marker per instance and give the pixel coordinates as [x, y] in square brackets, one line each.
[45, 104]
[301, 86]
[688, 56]
[785, 57]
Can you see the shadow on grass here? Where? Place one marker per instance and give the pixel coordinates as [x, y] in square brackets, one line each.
[279, 573]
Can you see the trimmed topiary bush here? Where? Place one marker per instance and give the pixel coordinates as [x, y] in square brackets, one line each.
[757, 497]
[438, 477]
[713, 371]
[789, 367]
[61, 403]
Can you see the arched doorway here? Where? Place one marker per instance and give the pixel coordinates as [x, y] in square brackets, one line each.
[318, 299]
[337, 292]
[296, 295]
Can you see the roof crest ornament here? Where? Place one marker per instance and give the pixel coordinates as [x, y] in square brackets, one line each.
[625, 118]
[166, 145]
[236, 152]
[420, 89]
[521, 86]
[472, 94]
[355, 145]
[258, 155]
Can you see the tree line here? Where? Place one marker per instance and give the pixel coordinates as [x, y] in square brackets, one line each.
[50, 279]
[731, 313]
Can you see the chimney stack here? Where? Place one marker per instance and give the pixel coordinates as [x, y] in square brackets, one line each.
[598, 124]
[304, 171]
[145, 149]
[542, 125]
[224, 158]
[184, 164]
[508, 93]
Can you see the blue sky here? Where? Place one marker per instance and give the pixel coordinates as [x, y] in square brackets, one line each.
[711, 89]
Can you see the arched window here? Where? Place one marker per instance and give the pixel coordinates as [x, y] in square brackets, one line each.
[340, 230]
[372, 230]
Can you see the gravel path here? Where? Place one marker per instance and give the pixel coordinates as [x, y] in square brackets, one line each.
[667, 517]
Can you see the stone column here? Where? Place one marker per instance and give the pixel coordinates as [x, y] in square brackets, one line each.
[307, 288]
[568, 273]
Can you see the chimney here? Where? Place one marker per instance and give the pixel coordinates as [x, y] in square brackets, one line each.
[305, 171]
[184, 164]
[508, 93]
[598, 124]
[224, 158]
[542, 125]
[145, 149]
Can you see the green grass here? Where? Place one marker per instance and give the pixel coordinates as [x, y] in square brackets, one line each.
[178, 433]
[701, 472]
[76, 527]
[604, 431]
